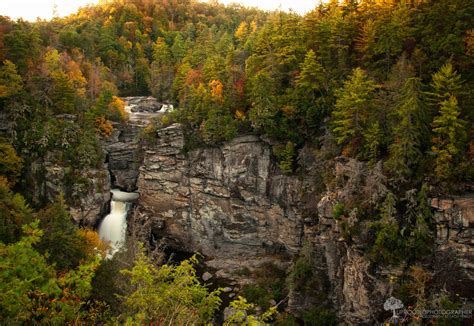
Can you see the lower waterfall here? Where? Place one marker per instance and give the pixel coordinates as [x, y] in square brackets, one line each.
[113, 227]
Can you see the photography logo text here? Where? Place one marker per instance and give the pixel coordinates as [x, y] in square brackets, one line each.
[400, 312]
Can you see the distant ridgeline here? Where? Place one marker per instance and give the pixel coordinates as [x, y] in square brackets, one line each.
[389, 83]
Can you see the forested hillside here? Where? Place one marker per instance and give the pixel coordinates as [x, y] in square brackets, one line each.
[386, 82]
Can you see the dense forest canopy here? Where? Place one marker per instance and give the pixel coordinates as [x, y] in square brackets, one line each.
[388, 82]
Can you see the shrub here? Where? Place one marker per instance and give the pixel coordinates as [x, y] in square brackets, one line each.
[286, 157]
[103, 126]
[319, 317]
[254, 293]
[338, 210]
[170, 294]
[117, 110]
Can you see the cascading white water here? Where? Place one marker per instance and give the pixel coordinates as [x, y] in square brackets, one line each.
[114, 226]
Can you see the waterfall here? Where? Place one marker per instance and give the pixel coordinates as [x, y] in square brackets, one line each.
[114, 226]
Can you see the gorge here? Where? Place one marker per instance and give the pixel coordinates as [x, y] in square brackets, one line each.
[193, 163]
[233, 205]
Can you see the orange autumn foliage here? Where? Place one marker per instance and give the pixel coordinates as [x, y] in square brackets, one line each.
[103, 126]
[216, 90]
[94, 246]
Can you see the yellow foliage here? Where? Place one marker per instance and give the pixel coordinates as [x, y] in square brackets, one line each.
[118, 105]
[103, 126]
[51, 60]
[94, 246]
[75, 75]
[253, 26]
[166, 120]
[241, 31]
[149, 129]
[216, 89]
[10, 81]
[10, 163]
[239, 115]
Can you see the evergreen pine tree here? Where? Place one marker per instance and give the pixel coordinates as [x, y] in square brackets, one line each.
[178, 49]
[373, 137]
[448, 135]
[162, 72]
[353, 107]
[405, 150]
[445, 82]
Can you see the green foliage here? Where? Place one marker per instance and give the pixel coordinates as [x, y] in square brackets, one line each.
[169, 294]
[14, 212]
[263, 112]
[23, 272]
[218, 126]
[241, 314]
[445, 83]
[23, 45]
[302, 275]
[161, 70]
[373, 138]
[319, 317]
[448, 136]
[387, 247]
[31, 290]
[178, 49]
[10, 81]
[63, 244]
[256, 294]
[448, 128]
[410, 240]
[339, 210]
[420, 242]
[109, 285]
[269, 285]
[312, 73]
[405, 151]
[286, 157]
[353, 107]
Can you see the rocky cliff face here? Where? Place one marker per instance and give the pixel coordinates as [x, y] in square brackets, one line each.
[123, 152]
[454, 265]
[233, 205]
[88, 196]
[227, 203]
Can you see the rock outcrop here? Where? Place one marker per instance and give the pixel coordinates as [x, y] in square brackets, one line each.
[143, 104]
[454, 218]
[227, 203]
[232, 204]
[124, 156]
[88, 196]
